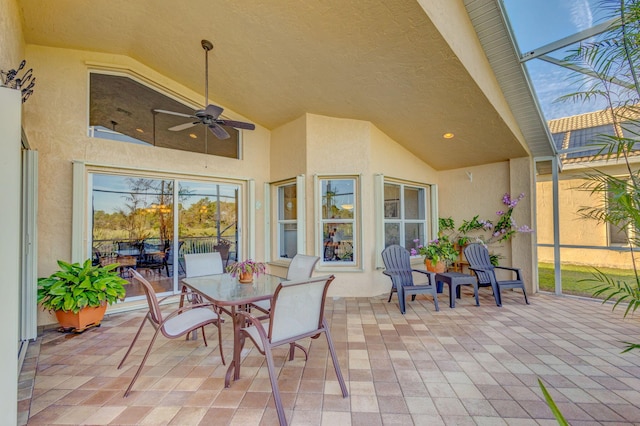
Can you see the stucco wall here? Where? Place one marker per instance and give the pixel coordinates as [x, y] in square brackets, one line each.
[574, 230]
[464, 193]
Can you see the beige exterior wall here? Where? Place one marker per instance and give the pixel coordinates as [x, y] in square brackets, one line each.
[575, 230]
[464, 193]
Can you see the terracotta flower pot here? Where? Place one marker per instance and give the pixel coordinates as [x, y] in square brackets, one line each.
[87, 317]
[245, 277]
[438, 267]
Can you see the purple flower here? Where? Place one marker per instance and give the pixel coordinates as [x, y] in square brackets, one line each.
[413, 252]
[499, 212]
[416, 240]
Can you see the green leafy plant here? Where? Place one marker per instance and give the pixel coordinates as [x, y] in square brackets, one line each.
[552, 405]
[247, 267]
[75, 286]
[611, 61]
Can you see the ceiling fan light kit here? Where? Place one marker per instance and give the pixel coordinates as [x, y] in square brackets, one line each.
[210, 115]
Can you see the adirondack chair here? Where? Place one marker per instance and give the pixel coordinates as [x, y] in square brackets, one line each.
[479, 262]
[397, 263]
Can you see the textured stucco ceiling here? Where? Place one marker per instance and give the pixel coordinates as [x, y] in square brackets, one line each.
[380, 61]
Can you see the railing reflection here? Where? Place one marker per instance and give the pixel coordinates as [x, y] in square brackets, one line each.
[152, 253]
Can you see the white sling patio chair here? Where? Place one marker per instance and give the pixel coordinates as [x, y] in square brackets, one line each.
[297, 312]
[178, 323]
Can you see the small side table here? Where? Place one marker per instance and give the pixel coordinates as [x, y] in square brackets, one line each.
[455, 280]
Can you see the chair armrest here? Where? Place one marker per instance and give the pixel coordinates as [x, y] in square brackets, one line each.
[429, 274]
[256, 323]
[507, 268]
[479, 269]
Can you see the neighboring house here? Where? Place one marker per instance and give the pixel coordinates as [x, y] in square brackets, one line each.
[350, 100]
[582, 241]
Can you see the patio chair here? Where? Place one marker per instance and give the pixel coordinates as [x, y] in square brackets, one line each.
[300, 267]
[199, 264]
[178, 323]
[479, 262]
[297, 312]
[397, 263]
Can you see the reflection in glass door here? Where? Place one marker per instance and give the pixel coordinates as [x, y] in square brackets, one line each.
[132, 225]
[208, 220]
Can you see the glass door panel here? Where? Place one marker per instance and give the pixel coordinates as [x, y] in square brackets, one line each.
[208, 220]
[132, 225]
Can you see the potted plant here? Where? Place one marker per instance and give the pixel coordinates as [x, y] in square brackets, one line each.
[246, 269]
[438, 254]
[79, 293]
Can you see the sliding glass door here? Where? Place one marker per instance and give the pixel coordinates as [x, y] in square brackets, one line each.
[132, 223]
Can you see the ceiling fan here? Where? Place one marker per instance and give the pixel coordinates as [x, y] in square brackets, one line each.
[210, 115]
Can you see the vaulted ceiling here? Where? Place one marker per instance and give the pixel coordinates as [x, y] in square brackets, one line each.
[380, 61]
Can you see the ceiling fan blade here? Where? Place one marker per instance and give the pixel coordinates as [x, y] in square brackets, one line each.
[182, 126]
[237, 124]
[213, 110]
[179, 114]
[219, 131]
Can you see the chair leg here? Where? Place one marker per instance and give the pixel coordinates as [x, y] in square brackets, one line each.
[435, 297]
[292, 348]
[204, 337]
[496, 293]
[390, 294]
[144, 359]
[133, 342]
[525, 295]
[274, 384]
[401, 300]
[334, 358]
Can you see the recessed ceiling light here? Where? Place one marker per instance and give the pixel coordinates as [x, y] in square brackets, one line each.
[193, 136]
[448, 135]
[139, 130]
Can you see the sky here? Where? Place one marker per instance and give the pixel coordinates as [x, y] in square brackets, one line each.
[536, 23]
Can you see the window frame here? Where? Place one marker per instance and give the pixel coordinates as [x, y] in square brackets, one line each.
[280, 222]
[82, 217]
[401, 220]
[356, 222]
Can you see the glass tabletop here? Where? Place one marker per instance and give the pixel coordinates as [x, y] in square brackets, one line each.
[223, 289]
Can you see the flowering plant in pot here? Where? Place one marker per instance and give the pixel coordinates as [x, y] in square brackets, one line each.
[79, 293]
[438, 253]
[246, 269]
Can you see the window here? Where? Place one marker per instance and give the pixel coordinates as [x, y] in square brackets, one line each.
[618, 235]
[287, 224]
[122, 109]
[405, 218]
[338, 220]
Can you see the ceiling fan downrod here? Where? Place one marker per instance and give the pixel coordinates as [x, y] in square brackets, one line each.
[207, 46]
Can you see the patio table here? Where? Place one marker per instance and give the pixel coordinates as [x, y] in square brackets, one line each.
[455, 280]
[226, 292]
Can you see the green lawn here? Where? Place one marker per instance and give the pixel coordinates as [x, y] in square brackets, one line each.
[572, 274]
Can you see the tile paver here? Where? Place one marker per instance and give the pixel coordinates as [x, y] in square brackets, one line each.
[472, 365]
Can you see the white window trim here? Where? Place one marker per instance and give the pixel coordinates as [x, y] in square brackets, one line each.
[272, 223]
[357, 263]
[432, 213]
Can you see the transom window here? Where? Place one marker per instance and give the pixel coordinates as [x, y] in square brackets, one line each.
[122, 109]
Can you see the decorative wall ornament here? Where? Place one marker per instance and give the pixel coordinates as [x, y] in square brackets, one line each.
[24, 83]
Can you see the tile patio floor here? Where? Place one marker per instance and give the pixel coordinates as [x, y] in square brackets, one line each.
[465, 366]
